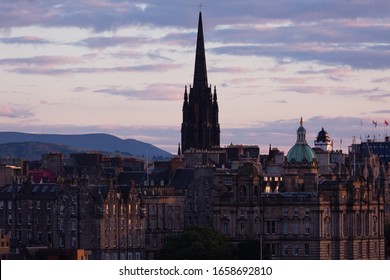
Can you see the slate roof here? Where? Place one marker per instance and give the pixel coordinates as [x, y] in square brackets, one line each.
[182, 178]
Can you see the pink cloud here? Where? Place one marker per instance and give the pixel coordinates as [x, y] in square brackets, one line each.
[291, 80]
[14, 112]
[232, 70]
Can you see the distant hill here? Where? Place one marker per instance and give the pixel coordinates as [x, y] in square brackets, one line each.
[34, 150]
[81, 142]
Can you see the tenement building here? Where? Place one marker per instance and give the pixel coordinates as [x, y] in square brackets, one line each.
[127, 217]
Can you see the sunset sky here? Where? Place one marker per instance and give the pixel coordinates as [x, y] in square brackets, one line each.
[120, 67]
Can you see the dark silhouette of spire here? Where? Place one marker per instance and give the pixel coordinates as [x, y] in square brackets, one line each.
[200, 73]
[200, 127]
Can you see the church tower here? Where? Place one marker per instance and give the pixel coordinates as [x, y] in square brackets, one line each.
[200, 127]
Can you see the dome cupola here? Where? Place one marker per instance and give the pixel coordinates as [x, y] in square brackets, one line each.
[301, 151]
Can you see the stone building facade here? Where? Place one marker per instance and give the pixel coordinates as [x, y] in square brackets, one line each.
[107, 221]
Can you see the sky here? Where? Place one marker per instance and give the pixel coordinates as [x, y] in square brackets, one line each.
[120, 67]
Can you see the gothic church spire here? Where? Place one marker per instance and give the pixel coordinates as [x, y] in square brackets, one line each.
[200, 127]
[200, 73]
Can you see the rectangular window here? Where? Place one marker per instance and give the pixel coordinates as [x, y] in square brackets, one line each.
[307, 249]
[285, 228]
[62, 207]
[39, 237]
[138, 239]
[225, 227]
[296, 212]
[73, 209]
[296, 228]
[285, 211]
[228, 181]
[296, 250]
[271, 227]
[307, 211]
[1, 204]
[274, 249]
[285, 250]
[130, 241]
[74, 225]
[307, 228]
[29, 235]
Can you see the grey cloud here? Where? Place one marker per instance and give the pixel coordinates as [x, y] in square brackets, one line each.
[385, 97]
[113, 41]
[381, 112]
[32, 40]
[154, 92]
[362, 59]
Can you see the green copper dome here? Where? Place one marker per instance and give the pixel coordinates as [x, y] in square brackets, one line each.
[301, 150]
